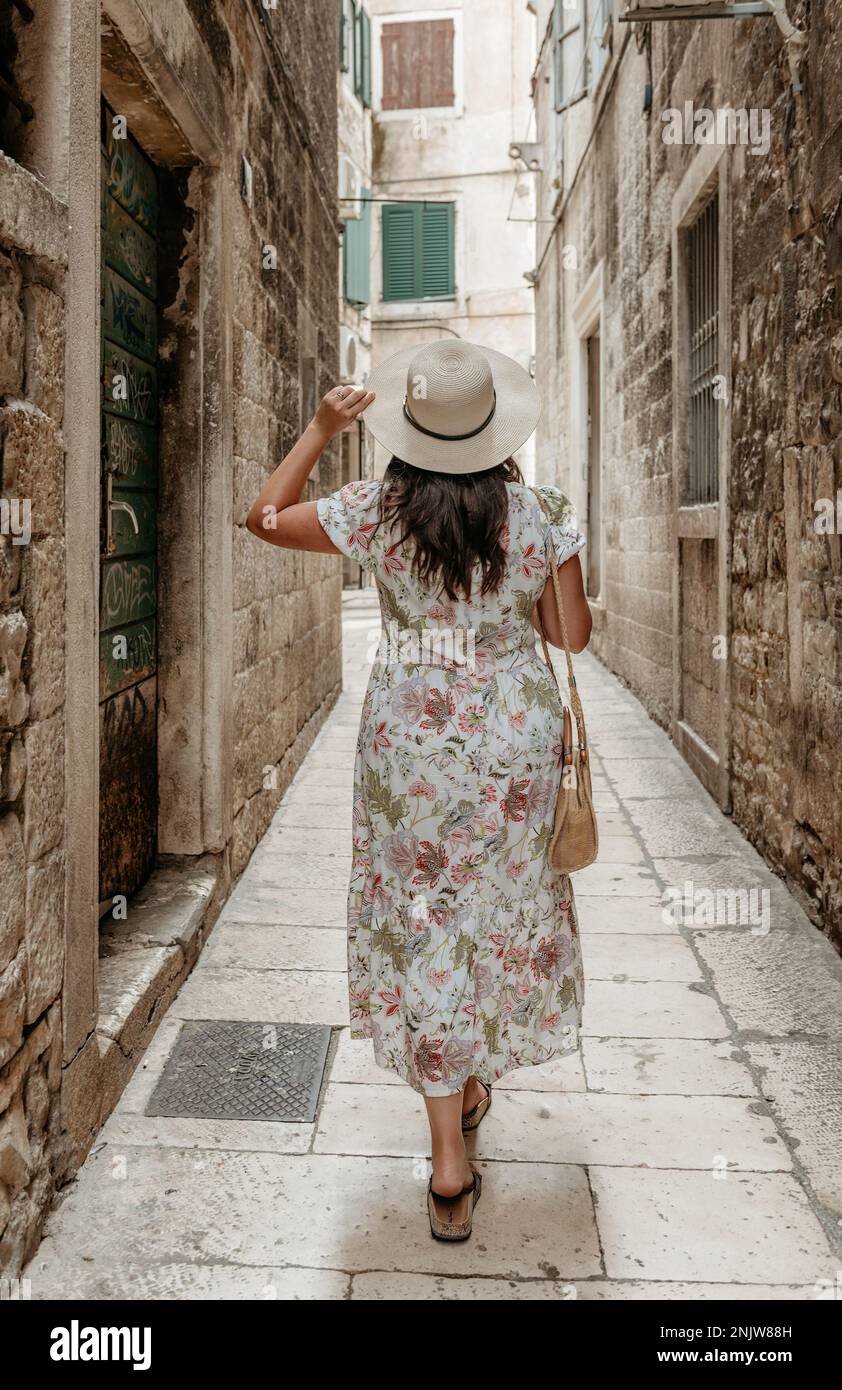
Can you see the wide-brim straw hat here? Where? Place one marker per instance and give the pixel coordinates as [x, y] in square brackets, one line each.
[451, 406]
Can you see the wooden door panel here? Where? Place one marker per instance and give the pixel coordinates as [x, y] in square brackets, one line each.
[144, 508]
[127, 655]
[128, 316]
[130, 385]
[128, 248]
[130, 452]
[128, 635]
[128, 789]
[128, 591]
[130, 178]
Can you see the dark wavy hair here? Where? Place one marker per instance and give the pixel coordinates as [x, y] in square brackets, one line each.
[454, 520]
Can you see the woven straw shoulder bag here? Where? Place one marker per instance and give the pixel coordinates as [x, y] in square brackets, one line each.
[575, 840]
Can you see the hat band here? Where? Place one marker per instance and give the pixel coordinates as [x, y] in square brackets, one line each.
[454, 438]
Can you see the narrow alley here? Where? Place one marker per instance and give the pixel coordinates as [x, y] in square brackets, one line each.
[687, 1155]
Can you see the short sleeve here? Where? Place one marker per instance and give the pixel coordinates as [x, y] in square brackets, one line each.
[350, 516]
[560, 527]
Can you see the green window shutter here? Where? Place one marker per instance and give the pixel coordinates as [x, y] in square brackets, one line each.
[437, 278]
[344, 36]
[418, 251]
[356, 255]
[366, 58]
[356, 22]
[401, 248]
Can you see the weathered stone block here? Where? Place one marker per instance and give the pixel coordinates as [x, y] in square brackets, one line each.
[12, 1007]
[12, 888]
[44, 609]
[44, 353]
[44, 934]
[12, 330]
[15, 1153]
[36, 1100]
[14, 698]
[12, 766]
[43, 797]
[10, 569]
[33, 465]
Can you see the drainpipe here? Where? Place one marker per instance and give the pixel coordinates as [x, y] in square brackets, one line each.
[795, 40]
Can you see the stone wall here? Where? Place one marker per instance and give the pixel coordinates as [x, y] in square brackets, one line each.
[783, 581]
[287, 630]
[787, 454]
[250, 655]
[32, 830]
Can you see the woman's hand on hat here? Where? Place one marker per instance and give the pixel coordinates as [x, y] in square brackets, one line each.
[340, 408]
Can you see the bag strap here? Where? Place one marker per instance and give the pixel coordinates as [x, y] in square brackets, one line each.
[575, 701]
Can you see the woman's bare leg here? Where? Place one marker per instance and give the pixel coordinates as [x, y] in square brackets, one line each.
[451, 1171]
[473, 1093]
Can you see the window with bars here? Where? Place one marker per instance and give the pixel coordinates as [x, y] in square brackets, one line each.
[703, 323]
[417, 64]
[418, 251]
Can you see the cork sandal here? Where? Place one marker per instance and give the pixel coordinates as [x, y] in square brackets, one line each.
[471, 1119]
[451, 1218]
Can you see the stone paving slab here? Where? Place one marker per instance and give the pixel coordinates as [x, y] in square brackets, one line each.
[258, 901]
[299, 841]
[616, 881]
[641, 778]
[622, 956]
[803, 1083]
[317, 793]
[169, 1131]
[656, 1066]
[620, 913]
[653, 1009]
[381, 1285]
[680, 824]
[265, 946]
[654, 1131]
[186, 1282]
[323, 1211]
[753, 1228]
[278, 869]
[264, 996]
[782, 984]
[620, 849]
[690, 1152]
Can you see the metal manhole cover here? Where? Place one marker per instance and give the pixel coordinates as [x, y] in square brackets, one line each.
[243, 1071]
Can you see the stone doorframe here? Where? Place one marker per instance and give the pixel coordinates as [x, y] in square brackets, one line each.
[179, 124]
[709, 171]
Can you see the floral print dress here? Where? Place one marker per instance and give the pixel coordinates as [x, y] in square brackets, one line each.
[463, 944]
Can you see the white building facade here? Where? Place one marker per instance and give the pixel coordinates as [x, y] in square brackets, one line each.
[452, 227]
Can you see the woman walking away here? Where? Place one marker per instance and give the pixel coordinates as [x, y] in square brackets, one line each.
[463, 946]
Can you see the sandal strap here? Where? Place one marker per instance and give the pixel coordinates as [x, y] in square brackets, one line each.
[455, 1198]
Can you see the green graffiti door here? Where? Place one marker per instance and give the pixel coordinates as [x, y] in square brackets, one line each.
[128, 784]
